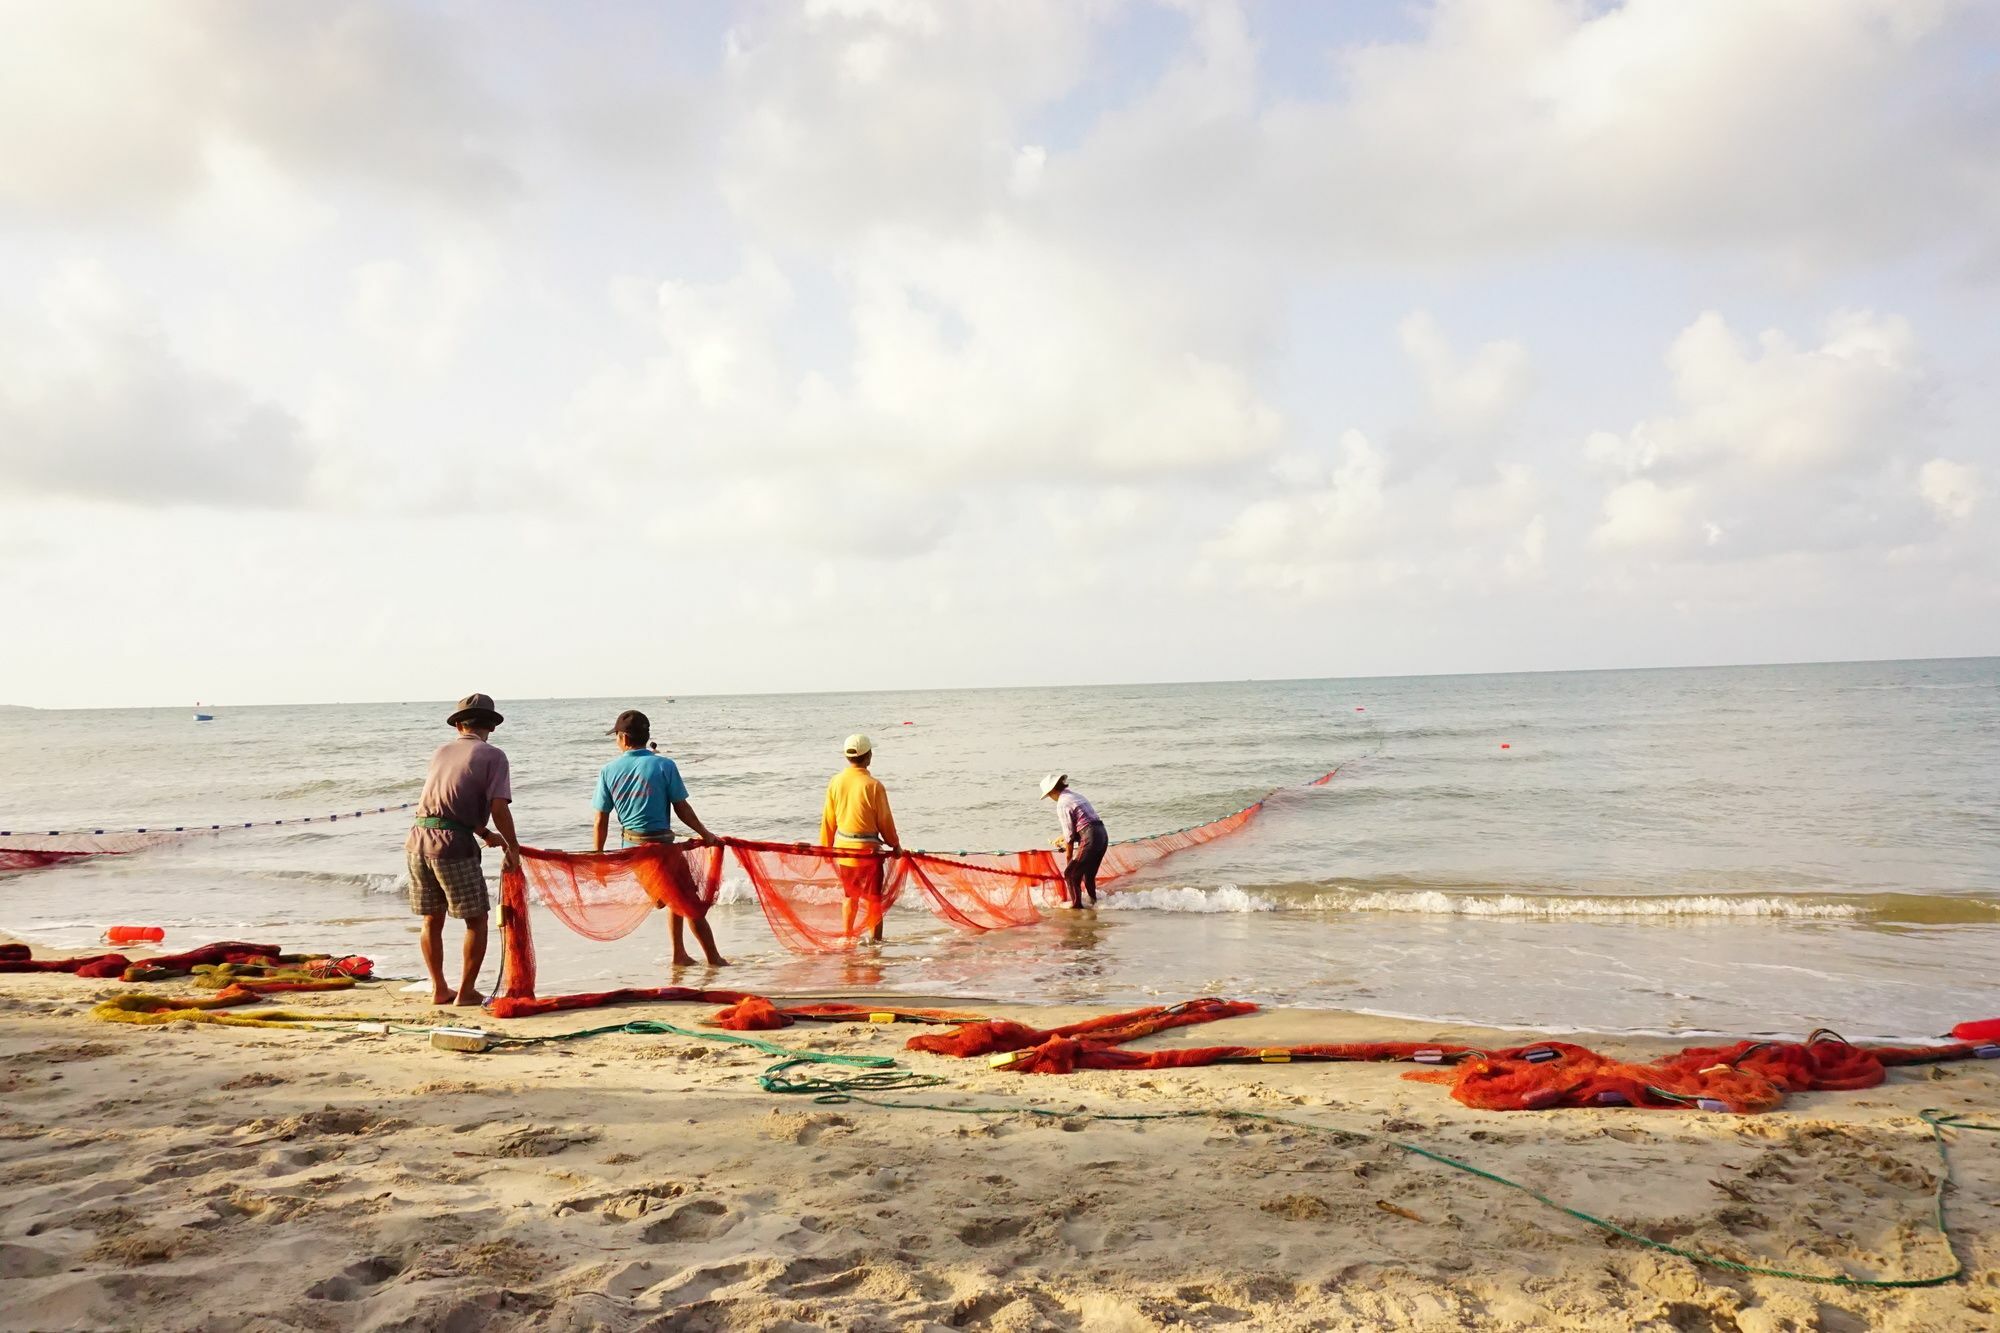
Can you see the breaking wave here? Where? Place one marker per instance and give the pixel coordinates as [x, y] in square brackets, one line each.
[1434, 903]
[1413, 900]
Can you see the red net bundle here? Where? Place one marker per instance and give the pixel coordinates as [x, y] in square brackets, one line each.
[1748, 1077]
[754, 1013]
[1000, 1034]
[18, 958]
[527, 1006]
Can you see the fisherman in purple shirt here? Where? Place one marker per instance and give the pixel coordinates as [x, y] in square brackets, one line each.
[1083, 837]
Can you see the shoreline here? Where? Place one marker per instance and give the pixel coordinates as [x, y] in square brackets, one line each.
[233, 1177]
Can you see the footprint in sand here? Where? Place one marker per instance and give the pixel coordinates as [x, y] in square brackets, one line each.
[699, 1284]
[24, 1261]
[992, 1231]
[356, 1280]
[698, 1219]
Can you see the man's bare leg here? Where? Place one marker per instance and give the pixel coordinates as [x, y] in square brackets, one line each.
[682, 958]
[705, 935]
[475, 958]
[431, 942]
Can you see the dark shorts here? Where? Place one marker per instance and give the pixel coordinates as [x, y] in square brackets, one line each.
[455, 886]
[1081, 872]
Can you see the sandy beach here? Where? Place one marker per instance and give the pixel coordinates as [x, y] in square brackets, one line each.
[226, 1178]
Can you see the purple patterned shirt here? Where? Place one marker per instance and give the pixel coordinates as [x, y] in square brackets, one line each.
[1074, 814]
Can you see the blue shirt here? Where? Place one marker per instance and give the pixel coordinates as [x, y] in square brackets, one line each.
[641, 785]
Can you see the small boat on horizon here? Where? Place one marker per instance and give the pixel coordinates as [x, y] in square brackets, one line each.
[200, 716]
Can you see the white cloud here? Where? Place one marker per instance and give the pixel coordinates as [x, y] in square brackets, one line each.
[844, 118]
[1774, 447]
[1954, 490]
[996, 358]
[420, 312]
[109, 106]
[1791, 129]
[1643, 515]
[1467, 396]
[1338, 514]
[95, 400]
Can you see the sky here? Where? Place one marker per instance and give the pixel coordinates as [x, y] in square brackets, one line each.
[358, 351]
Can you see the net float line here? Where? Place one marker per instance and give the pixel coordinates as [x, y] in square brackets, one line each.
[29, 850]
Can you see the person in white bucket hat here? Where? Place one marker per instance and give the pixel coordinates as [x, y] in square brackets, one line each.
[1083, 837]
[857, 815]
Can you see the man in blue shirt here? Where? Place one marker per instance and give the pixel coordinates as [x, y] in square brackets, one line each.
[642, 784]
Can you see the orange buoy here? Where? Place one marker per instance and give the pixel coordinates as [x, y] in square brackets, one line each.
[134, 935]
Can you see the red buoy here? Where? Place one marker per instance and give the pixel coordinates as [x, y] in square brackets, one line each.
[134, 935]
[1505, 746]
[1983, 1029]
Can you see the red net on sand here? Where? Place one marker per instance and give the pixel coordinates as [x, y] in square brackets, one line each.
[527, 1006]
[1000, 1034]
[754, 1013]
[1745, 1078]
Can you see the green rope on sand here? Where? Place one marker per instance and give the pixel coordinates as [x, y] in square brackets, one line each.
[647, 1027]
[884, 1074]
[1938, 1122]
[889, 1078]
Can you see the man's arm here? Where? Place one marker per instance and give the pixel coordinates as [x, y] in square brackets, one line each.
[886, 823]
[693, 821]
[503, 821]
[826, 824]
[600, 825]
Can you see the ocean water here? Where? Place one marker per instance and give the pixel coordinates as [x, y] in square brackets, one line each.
[1745, 850]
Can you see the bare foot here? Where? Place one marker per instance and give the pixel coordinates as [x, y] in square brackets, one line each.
[684, 960]
[442, 995]
[469, 999]
[718, 961]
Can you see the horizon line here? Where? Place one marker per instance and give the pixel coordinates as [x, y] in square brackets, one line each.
[1076, 685]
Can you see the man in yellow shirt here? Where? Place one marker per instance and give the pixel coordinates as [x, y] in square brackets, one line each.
[857, 815]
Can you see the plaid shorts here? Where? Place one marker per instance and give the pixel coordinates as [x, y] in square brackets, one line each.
[456, 886]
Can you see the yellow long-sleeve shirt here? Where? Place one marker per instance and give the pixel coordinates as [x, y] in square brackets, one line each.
[856, 802]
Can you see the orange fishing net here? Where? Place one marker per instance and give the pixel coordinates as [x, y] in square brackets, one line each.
[607, 896]
[815, 899]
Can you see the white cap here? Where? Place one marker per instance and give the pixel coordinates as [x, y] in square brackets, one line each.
[1050, 781]
[858, 745]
